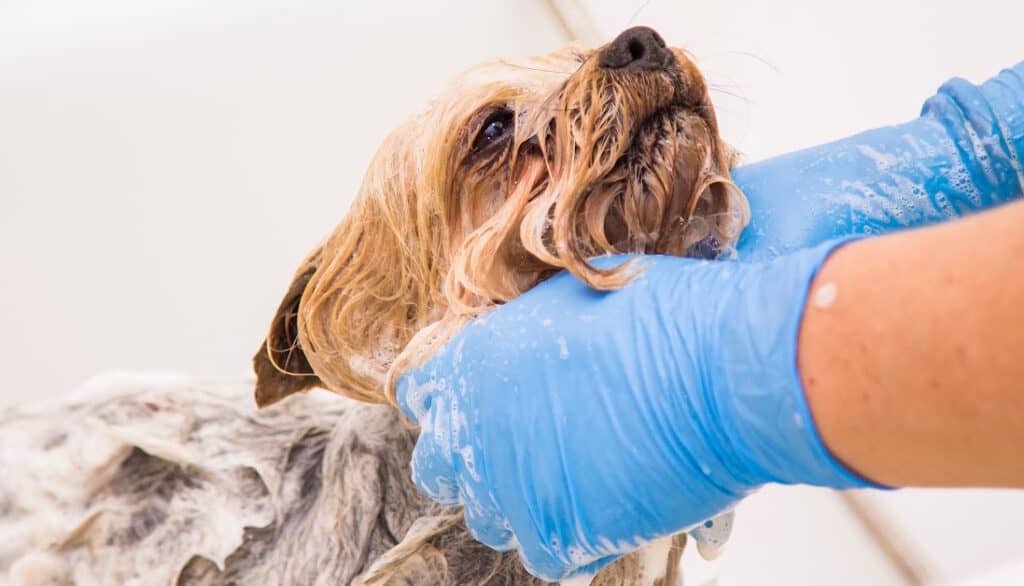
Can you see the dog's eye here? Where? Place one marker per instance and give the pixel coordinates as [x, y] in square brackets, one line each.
[496, 127]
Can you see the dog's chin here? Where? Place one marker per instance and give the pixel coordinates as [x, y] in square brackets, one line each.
[658, 175]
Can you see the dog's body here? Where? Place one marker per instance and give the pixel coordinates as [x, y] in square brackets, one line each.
[520, 170]
[157, 480]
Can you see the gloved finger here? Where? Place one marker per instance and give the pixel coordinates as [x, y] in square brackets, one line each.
[486, 524]
[712, 535]
[432, 468]
[594, 567]
[553, 568]
[433, 473]
[542, 564]
[414, 397]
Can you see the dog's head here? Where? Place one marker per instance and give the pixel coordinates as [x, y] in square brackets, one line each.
[519, 170]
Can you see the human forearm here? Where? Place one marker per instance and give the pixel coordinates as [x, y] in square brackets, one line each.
[913, 372]
[576, 425]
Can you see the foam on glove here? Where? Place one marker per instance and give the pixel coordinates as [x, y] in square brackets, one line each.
[962, 155]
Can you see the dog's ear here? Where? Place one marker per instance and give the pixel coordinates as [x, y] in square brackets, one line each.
[281, 365]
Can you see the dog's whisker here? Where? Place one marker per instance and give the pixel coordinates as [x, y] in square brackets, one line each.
[775, 69]
[731, 94]
[717, 215]
[642, 7]
[540, 69]
[732, 84]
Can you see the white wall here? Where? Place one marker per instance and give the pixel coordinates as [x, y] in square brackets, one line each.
[164, 166]
[808, 71]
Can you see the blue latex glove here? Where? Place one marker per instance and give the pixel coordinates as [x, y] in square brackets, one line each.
[679, 394]
[963, 154]
[577, 425]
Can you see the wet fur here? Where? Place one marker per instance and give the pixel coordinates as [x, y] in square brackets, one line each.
[599, 161]
[167, 480]
[179, 481]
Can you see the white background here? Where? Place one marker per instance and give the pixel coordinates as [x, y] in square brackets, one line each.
[165, 165]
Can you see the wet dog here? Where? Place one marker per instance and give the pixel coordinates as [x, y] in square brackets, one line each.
[521, 169]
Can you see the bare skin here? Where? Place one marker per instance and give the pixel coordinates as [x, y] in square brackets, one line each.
[915, 372]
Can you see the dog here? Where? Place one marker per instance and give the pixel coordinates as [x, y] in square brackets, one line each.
[521, 169]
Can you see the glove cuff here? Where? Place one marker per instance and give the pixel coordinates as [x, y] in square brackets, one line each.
[769, 420]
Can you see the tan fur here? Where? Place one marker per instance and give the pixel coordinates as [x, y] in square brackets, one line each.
[601, 161]
[171, 480]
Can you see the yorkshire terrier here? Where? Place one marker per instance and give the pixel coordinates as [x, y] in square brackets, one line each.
[521, 169]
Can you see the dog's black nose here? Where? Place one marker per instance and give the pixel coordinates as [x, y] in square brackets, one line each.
[639, 48]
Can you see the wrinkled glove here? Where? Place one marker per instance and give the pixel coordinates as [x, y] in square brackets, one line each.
[577, 425]
[962, 155]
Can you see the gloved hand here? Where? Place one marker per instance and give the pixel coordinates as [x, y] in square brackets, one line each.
[963, 154]
[576, 425]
